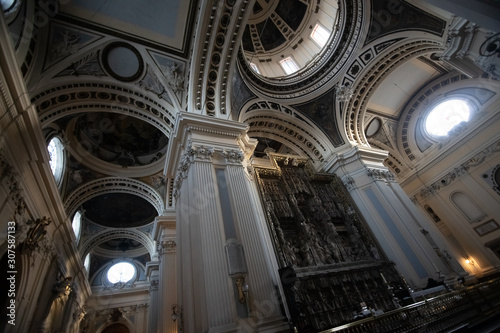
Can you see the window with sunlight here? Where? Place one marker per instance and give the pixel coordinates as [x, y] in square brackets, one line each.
[289, 65]
[56, 156]
[86, 263]
[254, 67]
[320, 35]
[121, 272]
[446, 115]
[77, 224]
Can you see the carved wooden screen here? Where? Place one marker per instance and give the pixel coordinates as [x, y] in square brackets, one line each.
[321, 241]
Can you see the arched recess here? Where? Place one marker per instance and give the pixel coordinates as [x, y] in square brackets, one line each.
[110, 234]
[367, 82]
[289, 128]
[74, 98]
[113, 185]
[122, 325]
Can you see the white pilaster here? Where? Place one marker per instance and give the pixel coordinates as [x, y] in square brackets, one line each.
[390, 214]
[216, 210]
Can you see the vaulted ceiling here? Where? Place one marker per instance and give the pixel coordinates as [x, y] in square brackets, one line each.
[109, 78]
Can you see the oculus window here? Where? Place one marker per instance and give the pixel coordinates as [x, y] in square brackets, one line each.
[121, 272]
[320, 35]
[289, 65]
[56, 158]
[445, 116]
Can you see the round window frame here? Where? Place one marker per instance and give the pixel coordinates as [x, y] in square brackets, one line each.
[435, 138]
[107, 281]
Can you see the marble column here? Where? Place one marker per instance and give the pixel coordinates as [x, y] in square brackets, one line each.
[395, 221]
[226, 282]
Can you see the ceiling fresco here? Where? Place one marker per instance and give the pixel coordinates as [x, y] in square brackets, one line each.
[119, 210]
[120, 139]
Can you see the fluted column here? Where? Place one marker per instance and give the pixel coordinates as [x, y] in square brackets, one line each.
[225, 279]
[398, 225]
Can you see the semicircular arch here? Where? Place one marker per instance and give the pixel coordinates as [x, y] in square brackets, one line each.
[110, 234]
[113, 185]
[69, 99]
[287, 128]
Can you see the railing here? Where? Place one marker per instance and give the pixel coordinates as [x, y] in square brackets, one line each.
[443, 313]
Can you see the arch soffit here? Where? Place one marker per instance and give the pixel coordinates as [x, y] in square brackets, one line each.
[92, 96]
[113, 233]
[288, 126]
[110, 185]
[371, 76]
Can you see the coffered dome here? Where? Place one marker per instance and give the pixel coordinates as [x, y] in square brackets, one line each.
[283, 36]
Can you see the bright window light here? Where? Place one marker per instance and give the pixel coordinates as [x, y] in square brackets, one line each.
[121, 272]
[289, 65]
[77, 225]
[86, 263]
[446, 115]
[7, 4]
[56, 162]
[320, 35]
[254, 67]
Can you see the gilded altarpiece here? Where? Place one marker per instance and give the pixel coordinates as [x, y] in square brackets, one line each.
[332, 270]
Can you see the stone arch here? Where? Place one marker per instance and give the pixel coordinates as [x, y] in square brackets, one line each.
[367, 83]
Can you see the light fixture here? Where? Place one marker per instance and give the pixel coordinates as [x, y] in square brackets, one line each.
[469, 261]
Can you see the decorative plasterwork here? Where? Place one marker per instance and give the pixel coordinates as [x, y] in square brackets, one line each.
[416, 104]
[223, 34]
[378, 174]
[112, 233]
[190, 155]
[167, 246]
[323, 69]
[109, 185]
[75, 98]
[457, 172]
[367, 84]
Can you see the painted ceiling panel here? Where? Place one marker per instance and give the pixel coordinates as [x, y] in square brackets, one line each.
[161, 21]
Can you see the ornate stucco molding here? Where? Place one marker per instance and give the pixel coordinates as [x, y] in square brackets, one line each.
[459, 171]
[378, 174]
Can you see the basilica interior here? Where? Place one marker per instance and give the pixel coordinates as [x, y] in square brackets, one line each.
[249, 166]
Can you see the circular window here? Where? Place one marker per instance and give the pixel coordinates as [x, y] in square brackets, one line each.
[446, 115]
[121, 272]
[56, 158]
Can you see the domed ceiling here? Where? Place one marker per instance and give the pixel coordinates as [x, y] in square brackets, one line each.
[119, 139]
[272, 23]
[119, 210]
